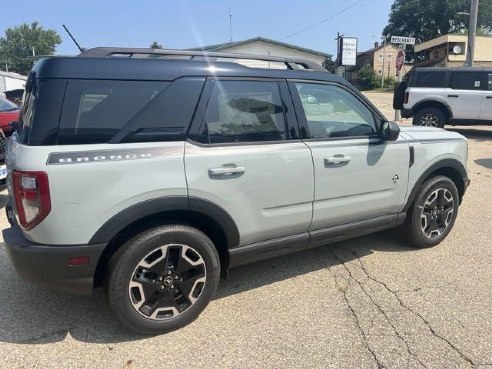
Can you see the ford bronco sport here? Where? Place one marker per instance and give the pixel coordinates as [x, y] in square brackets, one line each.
[152, 172]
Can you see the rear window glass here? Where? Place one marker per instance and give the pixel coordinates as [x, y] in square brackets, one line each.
[127, 111]
[429, 79]
[466, 81]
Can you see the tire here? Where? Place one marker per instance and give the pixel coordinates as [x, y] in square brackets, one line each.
[162, 279]
[430, 117]
[438, 192]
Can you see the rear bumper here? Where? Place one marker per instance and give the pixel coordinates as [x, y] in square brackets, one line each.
[48, 265]
[406, 113]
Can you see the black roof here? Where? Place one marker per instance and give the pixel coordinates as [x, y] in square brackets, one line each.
[454, 69]
[148, 64]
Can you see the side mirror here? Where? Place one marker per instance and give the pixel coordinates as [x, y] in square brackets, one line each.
[390, 131]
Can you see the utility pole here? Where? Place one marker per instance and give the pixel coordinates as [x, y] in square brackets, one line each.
[472, 29]
[384, 58]
[339, 53]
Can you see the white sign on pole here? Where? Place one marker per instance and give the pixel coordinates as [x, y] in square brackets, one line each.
[349, 51]
[402, 40]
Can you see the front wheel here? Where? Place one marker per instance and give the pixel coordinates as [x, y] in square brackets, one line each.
[162, 279]
[430, 117]
[433, 213]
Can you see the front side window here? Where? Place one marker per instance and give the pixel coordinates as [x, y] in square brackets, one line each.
[245, 111]
[490, 82]
[332, 112]
[466, 81]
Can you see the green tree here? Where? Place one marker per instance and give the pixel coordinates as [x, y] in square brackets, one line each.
[19, 43]
[330, 65]
[368, 79]
[427, 19]
[156, 45]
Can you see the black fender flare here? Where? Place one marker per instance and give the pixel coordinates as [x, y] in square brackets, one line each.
[167, 204]
[434, 101]
[439, 165]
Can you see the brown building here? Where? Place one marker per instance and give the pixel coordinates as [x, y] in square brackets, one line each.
[381, 58]
[450, 51]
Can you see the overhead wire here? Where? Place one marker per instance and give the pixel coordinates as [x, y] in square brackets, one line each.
[322, 21]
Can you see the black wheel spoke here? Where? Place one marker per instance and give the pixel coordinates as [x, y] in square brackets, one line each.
[186, 286]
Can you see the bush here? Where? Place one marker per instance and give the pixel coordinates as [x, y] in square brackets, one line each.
[368, 79]
[389, 82]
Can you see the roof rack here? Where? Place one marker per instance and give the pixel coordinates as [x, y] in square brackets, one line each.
[290, 63]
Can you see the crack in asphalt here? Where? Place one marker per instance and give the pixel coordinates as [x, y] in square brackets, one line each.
[357, 321]
[425, 321]
[380, 309]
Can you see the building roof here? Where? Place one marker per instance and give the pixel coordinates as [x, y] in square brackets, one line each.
[12, 75]
[227, 45]
[374, 49]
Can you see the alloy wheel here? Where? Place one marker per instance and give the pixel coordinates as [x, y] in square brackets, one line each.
[429, 120]
[167, 281]
[437, 212]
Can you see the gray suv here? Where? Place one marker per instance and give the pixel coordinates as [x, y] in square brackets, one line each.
[152, 172]
[435, 97]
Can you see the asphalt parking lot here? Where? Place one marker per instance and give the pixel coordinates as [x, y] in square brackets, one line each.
[365, 303]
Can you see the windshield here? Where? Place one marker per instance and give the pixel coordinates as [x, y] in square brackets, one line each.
[6, 105]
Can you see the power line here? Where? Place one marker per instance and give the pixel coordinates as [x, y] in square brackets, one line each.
[322, 21]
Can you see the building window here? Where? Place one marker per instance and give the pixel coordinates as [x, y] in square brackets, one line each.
[379, 71]
[380, 57]
[389, 56]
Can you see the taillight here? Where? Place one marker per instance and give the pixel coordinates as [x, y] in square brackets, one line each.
[32, 197]
[405, 101]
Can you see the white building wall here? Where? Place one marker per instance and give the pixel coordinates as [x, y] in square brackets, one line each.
[11, 81]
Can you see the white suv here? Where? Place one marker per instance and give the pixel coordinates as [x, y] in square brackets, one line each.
[152, 176]
[438, 96]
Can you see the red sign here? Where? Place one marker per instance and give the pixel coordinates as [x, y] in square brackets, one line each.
[400, 60]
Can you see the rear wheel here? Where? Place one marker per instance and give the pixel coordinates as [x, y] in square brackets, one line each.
[430, 117]
[162, 279]
[433, 213]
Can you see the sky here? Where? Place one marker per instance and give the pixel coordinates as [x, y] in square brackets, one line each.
[180, 24]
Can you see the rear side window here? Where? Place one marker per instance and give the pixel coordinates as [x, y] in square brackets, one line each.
[245, 111]
[102, 111]
[466, 81]
[429, 79]
[490, 82]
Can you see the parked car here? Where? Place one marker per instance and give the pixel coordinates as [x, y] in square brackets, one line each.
[435, 97]
[8, 112]
[152, 176]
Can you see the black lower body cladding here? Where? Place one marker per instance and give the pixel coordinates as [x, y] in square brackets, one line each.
[49, 265]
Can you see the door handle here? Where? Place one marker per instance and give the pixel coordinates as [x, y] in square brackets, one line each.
[337, 160]
[226, 171]
[453, 95]
[488, 97]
